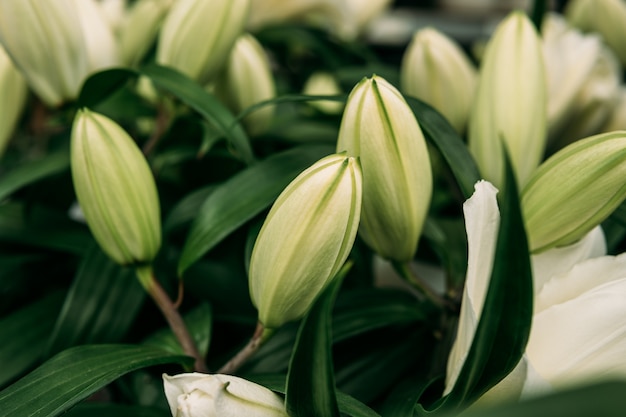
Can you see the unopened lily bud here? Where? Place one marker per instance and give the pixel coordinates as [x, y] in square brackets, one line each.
[607, 17]
[510, 103]
[203, 395]
[13, 92]
[247, 80]
[197, 35]
[323, 84]
[436, 70]
[617, 117]
[140, 28]
[306, 238]
[115, 189]
[56, 44]
[379, 127]
[574, 190]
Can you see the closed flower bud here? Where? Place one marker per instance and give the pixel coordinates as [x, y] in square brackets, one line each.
[617, 117]
[575, 190]
[510, 104]
[323, 84]
[115, 189]
[436, 70]
[379, 127]
[56, 44]
[197, 35]
[203, 395]
[13, 92]
[607, 17]
[247, 80]
[306, 238]
[140, 27]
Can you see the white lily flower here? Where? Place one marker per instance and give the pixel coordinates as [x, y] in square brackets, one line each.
[203, 395]
[13, 91]
[579, 294]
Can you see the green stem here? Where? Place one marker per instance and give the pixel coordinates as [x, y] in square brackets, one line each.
[405, 271]
[171, 314]
[260, 336]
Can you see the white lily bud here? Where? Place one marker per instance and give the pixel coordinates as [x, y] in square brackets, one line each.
[197, 35]
[13, 93]
[323, 84]
[436, 70]
[607, 17]
[306, 238]
[510, 103]
[362, 12]
[379, 127]
[140, 27]
[247, 80]
[575, 190]
[617, 117]
[203, 395]
[115, 189]
[583, 76]
[56, 44]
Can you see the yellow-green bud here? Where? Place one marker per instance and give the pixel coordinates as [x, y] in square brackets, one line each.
[510, 103]
[306, 238]
[197, 35]
[115, 189]
[247, 80]
[574, 190]
[436, 70]
[323, 84]
[13, 92]
[57, 44]
[140, 27]
[379, 127]
[607, 17]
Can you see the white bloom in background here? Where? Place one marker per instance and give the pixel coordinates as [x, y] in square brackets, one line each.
[617, 118]
[114, 12]
[362, 12]
[578, 329]
[246, 80]
[204, 395]
[510, 105]
[13, 92]
[436, 70]
[323, 84]
[56, 44]
[583, 77]
[197, 36]
[607, 17]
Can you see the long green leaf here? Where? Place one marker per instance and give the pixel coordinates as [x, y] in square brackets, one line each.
[101, 305]
[31, 171]
[242, 197]
[109, 410]
[311, 380]
[74, 374]
[504, 326]
[21, 334]
[209, 107]
[101, 85]
[439, 132]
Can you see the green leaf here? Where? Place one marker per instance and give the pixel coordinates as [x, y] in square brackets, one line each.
[439, 132]
[242, 197]
[76, 373]
[31, 171]
[108, 410]
[186, 209]
[101, 85]
[101, 305]
[604, 399]
[209, 107]
[311, 380]
[504, 326]
[199, 323]
[22, 332]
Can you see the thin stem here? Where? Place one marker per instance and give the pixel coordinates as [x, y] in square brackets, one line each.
[261, 334]
[173, 317]
[162, 122]
[407, 273]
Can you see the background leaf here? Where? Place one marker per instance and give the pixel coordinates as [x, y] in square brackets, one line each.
[33, 170]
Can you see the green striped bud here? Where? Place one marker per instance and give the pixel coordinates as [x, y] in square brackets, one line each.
[574, 190]
[115, 189]
[379, 127]
[13, 91]
[306, 238]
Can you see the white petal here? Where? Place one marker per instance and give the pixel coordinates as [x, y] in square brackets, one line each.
[482, 219]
